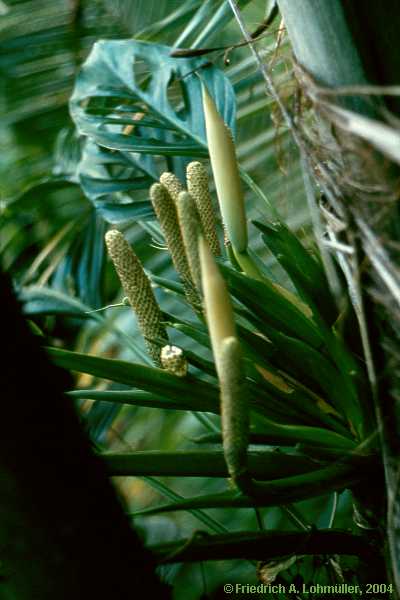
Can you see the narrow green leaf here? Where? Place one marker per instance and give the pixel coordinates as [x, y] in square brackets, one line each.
[277, 492]
[198, 335]
[139, 376]
[41, 300]
[313, 409]
[276, 434]
[168, 284]
[272, 307]
[312, 367]
[306, 273]
[309, 365]
[141, 398]
[267, 465]
[43, 186]
[91, 261]
[198, 514]
[216, 22]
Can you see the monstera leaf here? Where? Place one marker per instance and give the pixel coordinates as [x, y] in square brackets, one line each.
[132, 96]
[107, 178]
[142, 113]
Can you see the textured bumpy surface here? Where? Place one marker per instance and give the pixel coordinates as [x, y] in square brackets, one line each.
[166, 212]
[234, 409]
[138, 290]
[190, 224]
[172, 184]
[197, 182]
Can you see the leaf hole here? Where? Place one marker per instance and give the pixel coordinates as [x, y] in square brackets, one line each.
[142, 73]
[177, 97]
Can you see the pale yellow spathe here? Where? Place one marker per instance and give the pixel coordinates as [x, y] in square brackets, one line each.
[217, 302]
[226, 174]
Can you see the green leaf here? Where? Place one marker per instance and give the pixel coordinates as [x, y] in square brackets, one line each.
[107, 177]
[154, 20]
[271, 307]
[91, 261]
[310, 408]
[200, 363]
[306, 273]
[335, 376]
[277, 492]
[41, 187]
[271, 405]
[141, 398]
[360, 455]
[271, 434]
[198, 514]
[168, 284]
[41, 47]
[214, 21]
[171, 392]
[40, 300]
[268, 366]
[139, 376]
[193, 331]
[197, 22]
[313, 368]
[122, 76]
[312, 435]
[121, 213]
[211, 463]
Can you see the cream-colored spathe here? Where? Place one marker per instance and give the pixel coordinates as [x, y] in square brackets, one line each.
[217, 302]
[226, 174]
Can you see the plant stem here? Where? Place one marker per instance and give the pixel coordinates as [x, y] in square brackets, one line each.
[266, 546]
